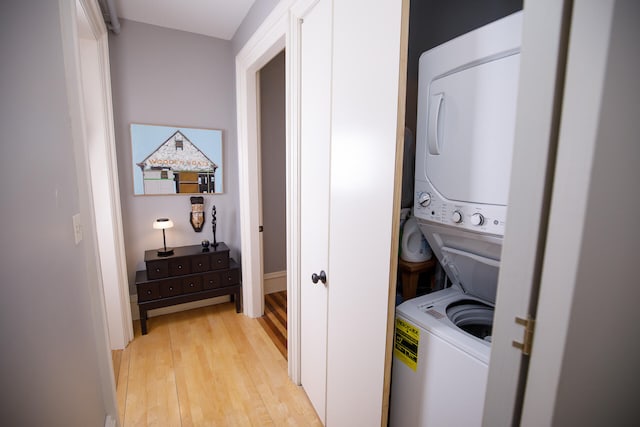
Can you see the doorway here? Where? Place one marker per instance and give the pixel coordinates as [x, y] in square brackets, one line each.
[272, 142]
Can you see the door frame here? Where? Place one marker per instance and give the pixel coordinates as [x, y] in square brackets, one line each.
[270, 38]
[69, 23]
[109, 217]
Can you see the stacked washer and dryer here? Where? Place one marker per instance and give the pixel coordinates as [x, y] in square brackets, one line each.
[465, 131]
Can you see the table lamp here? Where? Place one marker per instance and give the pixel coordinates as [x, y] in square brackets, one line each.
[162, 224]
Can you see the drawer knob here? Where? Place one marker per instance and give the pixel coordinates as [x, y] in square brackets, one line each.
[170, 288]
[148, 291]
[191, 285]
[219, 261]
[157, 270]
[199, 264]
[179, 267]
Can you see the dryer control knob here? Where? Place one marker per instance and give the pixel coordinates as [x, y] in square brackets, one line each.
[477, 219]
[456, 217]
[424, 199]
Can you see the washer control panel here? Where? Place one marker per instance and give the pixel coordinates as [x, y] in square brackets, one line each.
[432, 206]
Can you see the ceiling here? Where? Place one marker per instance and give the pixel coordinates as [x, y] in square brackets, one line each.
[215, 18]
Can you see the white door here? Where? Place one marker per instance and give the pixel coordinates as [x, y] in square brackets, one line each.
[564, 262]
[314, 188]
[365, 200]
[584, 362]
[530, 187]
[350, 69]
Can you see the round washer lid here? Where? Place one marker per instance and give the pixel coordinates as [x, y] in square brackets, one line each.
[475, 274]
[471, 260]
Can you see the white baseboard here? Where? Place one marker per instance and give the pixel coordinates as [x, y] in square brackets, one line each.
[275, 282]
[109, 421]
[135, 313]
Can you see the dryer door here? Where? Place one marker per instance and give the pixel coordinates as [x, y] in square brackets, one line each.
[470, 126]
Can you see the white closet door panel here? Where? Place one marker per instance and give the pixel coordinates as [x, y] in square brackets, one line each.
[314, 169]
[366, 56]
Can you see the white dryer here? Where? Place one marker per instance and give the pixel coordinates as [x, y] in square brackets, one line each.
[467, 92]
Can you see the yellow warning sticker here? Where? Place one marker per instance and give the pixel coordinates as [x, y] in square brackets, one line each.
[407, 341]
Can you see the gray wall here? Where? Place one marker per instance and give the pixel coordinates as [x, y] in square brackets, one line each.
[50, 367]
[256, 15]
[273, 153]
[170, 77]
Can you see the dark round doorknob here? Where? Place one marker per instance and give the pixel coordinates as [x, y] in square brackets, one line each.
[321, 277]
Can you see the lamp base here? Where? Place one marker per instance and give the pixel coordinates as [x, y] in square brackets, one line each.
[165, 251]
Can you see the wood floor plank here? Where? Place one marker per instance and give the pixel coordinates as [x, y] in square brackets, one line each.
[122, 382]
[152, 399]
[211, 358]
[287, 404]
[280, 299]
[276, 337]
[116, 359]
[276, 325]
[274, 321]
[276, 303]
[208, 367]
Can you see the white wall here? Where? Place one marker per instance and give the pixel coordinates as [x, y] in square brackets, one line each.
[148, 88]
[50, 368]
[273, 149]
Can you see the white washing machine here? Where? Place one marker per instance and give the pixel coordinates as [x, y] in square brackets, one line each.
[467, 93]
[443, 339]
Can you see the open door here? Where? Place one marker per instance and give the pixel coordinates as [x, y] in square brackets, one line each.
[539, 103]
[570, 250]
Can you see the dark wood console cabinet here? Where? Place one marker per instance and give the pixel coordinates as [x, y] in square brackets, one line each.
[192, 273]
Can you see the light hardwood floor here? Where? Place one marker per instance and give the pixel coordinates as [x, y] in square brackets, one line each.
[207, 367]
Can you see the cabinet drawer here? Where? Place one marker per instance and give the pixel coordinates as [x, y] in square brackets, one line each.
[169, 288]
[179, 267]
[200, 263]
[192, 284]
[211, 281]
[220, 260]
[230, 277]
[157, 269]
[148, 291]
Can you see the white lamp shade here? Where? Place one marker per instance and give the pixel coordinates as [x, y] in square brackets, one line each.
[162, 223]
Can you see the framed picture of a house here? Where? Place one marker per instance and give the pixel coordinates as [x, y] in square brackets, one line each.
[176, 160]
